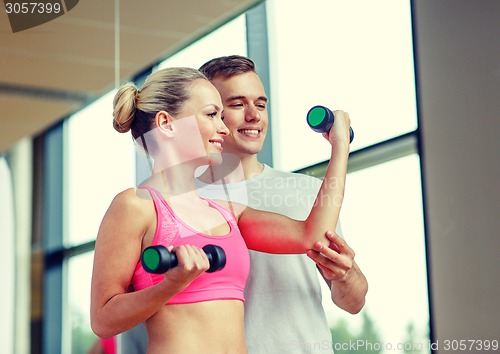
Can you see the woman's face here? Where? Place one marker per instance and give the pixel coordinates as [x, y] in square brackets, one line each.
[201, 123]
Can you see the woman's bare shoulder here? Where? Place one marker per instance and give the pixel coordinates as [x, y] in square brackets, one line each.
[133, 201]
[236, 208]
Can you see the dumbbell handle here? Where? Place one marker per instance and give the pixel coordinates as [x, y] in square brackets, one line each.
[158, 259]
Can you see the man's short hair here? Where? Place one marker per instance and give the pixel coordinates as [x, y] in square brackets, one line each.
[227, 66]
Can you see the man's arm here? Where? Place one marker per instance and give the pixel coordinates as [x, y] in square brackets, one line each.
[336, 262]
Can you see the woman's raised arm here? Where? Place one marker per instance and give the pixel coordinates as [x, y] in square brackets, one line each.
[275, 233]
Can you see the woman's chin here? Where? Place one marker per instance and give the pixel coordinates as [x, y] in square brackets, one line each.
[215, 159]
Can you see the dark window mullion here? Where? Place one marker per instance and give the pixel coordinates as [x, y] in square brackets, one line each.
[52, 239]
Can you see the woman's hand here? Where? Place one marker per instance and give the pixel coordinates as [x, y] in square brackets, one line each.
[339, 132]
[192, 262]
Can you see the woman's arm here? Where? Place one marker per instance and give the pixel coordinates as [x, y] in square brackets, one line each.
[118, 249]
[274, 233]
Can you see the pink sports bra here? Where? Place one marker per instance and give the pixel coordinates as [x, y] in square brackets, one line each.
[228, 283]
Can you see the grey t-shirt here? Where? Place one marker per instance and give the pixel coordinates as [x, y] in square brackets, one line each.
[133, 341]
[283, 309]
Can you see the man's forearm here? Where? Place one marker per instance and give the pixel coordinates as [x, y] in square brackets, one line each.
[349, 292]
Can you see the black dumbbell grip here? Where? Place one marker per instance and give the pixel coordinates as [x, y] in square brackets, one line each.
[158, 259]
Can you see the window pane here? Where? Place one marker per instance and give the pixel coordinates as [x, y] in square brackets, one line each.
[77, 311]
[351, 55]
[100, 164]
[382, 221]
[226, 40]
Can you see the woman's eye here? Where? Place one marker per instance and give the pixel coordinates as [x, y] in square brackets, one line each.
[213, 114]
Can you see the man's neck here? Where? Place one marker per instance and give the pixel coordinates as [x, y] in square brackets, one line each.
[233, 170]
[251, 166]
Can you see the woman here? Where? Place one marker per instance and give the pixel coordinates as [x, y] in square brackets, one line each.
[176, 118]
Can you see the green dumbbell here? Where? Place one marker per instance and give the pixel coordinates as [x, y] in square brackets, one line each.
[320, 119]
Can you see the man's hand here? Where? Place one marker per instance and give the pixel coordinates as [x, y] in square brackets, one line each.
[336, 260]
[347, 283]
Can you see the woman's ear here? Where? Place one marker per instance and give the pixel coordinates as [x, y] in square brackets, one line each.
[164, 121]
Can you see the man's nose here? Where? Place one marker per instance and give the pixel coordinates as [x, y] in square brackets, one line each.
[252, 114]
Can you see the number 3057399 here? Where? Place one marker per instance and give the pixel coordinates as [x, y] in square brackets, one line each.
[33, 7]
[470, 345]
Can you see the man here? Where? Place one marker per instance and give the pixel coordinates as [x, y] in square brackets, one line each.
[283, 309]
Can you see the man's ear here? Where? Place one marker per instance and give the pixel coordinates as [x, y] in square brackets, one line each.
[164, 121]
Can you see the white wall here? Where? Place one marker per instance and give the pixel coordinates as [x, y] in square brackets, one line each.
[458, 51]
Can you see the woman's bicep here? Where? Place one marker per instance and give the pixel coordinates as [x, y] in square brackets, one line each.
[117, 250]
[271, 232]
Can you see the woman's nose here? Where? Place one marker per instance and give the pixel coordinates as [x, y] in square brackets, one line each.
[223, 130]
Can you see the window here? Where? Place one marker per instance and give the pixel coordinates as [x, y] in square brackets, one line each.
[99, 163]
[358, 56]
[7, 254]
[228, 39]
[382, 221]
[351, 55]
[79, 272]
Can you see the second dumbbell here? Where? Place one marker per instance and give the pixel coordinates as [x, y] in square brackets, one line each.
[158, 259]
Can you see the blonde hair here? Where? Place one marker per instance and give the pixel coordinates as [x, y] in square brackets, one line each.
[165, 89]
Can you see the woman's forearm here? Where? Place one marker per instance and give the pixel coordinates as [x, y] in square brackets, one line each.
[127, 310]
[325, 212]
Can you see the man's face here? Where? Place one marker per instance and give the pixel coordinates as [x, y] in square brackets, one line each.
[245, 113]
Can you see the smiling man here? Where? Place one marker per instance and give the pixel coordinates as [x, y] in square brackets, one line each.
[283, 307]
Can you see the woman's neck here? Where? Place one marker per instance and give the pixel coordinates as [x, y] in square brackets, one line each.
[233, 170]
[175, 181]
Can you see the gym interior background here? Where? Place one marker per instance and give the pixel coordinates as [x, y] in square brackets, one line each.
[419, 78]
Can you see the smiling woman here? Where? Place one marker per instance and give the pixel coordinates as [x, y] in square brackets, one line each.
[176, 118]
